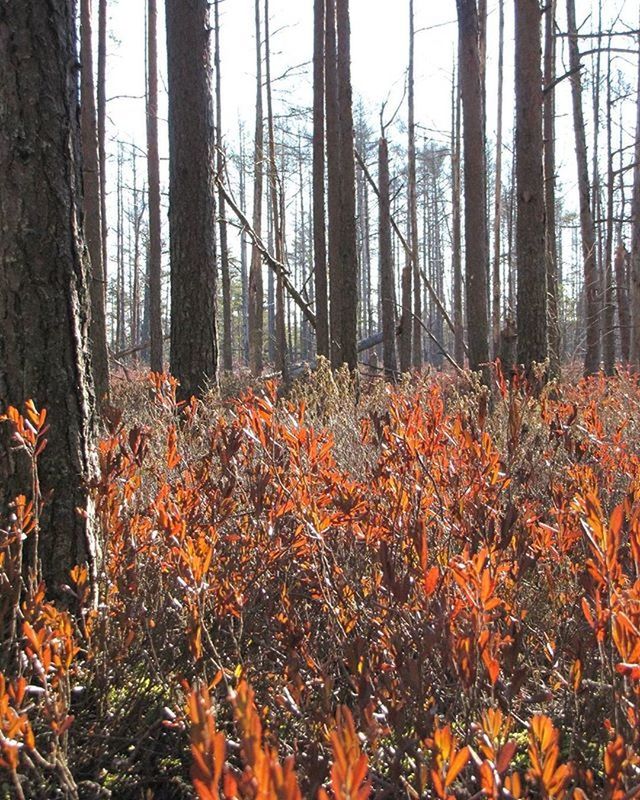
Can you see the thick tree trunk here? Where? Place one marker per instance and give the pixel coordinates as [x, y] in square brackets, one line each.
[45, 277]
[153, 175]
[530, 249]
[497, 206]
[256, 291]
[194, 351]
[475, 181]
[92, 206]
[102, 128]
[416, 338]
[592, 355]
[635, 239]
[387, 283]
[319, 229]
[551, 247]
[456, 225]
[227, 349]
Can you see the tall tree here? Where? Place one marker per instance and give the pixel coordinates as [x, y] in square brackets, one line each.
[635, 236]
[592, 354]
[551, 245]
[456, 226]
[227, 349]
[92, 204]
[102, 124]
[414, 239]
[387, 283]
[153, 176]
[497, 206]
[475, 182]
[348, 246]
[45, 277]
[608, 330]
[194, 352]
[319, 229]
[256, 291]
[530, 250]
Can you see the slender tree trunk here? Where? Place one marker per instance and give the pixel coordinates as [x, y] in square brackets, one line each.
[475, 181]
[319, 230]
[194, 350]
[413, 203]
[333, 181]
[91, 192]
[530, 257]
[45, 280]
[387, 285]
[227, 349]
[244, 276]
[592, 355]
[496, 316]
[624, 312]
[635, 238]
[608, 332]
[153, 176]
[551, 248]
[456, 224]
[256, 292]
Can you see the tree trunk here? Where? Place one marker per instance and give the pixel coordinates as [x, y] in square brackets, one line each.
[592, 355]
[319, 230]
[387, 285]
[608, 331]
[92, 204]
[497, 208]
[256, 291]
[530, 250]
[333, 181]
[413, 204]
[227, 349]
[475, 181]
[551, 247]
[153, 175]
[456, 225]
[194, 352]
[45, 277]
[102, 127]
[635, 239]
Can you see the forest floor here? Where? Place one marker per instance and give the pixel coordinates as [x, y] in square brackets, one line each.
[415, 591]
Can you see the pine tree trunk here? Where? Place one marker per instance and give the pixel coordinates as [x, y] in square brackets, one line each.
[551, 247]
[387, 285]
[319, 230]
[194, 351]
[92, 206]
[227, 348]
[102, 127]
[45, 278]
[153, 176]
[592, 355]
[456, 226]
[413, 204]
[530, 249]
[256, 291]
[608, 331]
[475, 181]
[635, 239]
[497, 208]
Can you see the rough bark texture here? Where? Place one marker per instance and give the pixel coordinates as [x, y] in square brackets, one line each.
[256, 290]
[456, 228]
[497, 205]
[608, 330]
[414, 239]
[635, 239]
[92, 205]
[530, 249]
[227, 349]
[387, 283]
[45, 275]
[319, 229]
[194, 354]
[153, 175]
[102, 125]
[348, 244]
[592, 355]
[551, 245]
[475, 181]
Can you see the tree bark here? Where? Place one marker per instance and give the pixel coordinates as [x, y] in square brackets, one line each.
[635, 239]
[456, 226]
[592, 355]
[387, 283]
[497, 207]
[256, 291]
[92, 206]
[530, 250]
[102, 127]
[416, 338]
[153, 176]
[45, 277]
[608, 332]
[475, 181]
[319, 229]
[194, 352]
